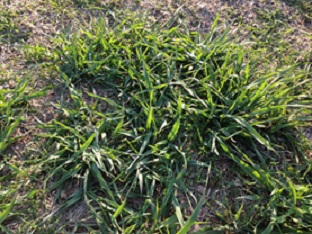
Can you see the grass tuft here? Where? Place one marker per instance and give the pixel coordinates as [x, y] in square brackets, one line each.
[174, 99]
[151, 126]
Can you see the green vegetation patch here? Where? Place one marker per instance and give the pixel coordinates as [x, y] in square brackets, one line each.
[175, 101]
[13, 175]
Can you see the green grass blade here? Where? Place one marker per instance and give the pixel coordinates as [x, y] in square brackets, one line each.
[192, 219]
[5, 213]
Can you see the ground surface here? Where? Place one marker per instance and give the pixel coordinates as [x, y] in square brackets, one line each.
[281, 30]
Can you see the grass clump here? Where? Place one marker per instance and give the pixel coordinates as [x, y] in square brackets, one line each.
[12, 107]
[9, 120]
[10, 114]
[174, 100]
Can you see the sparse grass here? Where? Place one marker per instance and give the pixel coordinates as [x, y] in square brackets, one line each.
[13, 176]
[160, 129]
